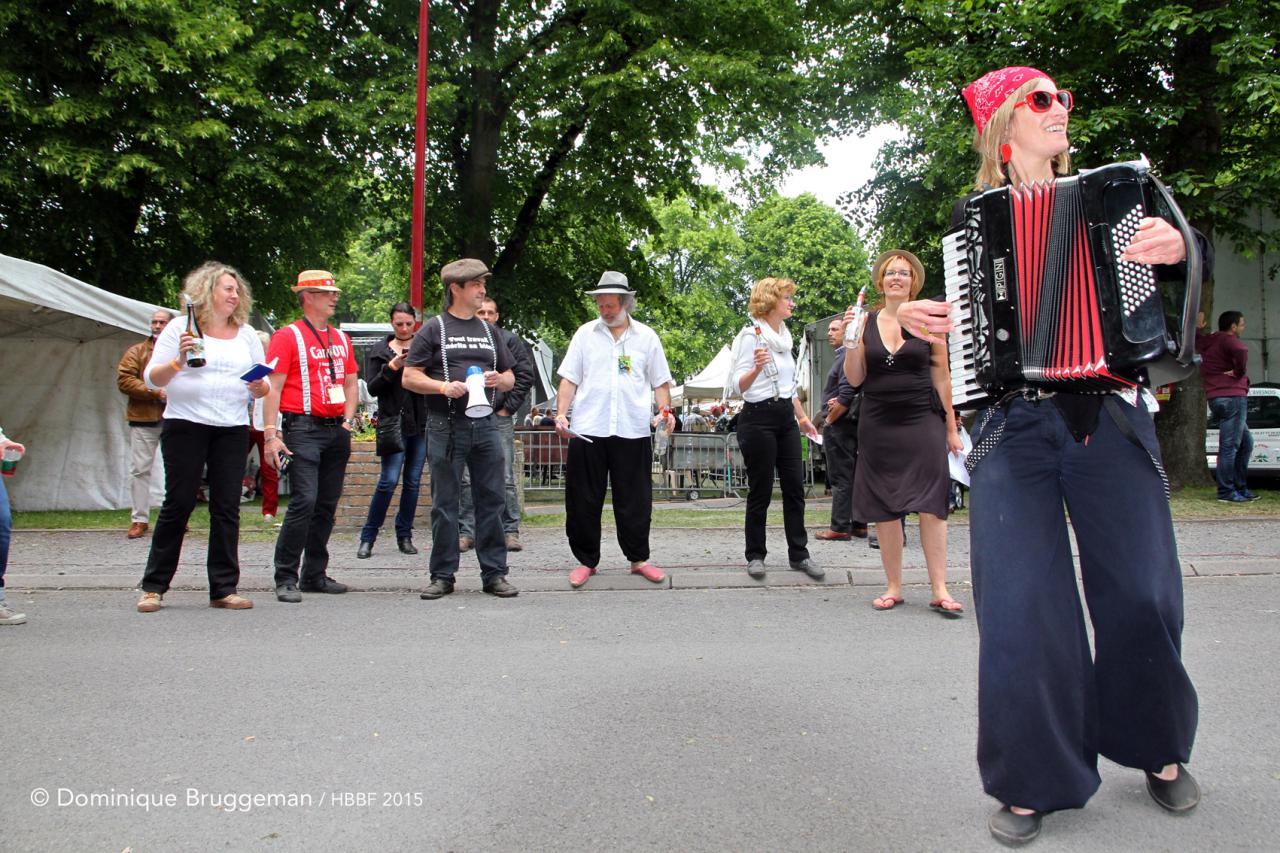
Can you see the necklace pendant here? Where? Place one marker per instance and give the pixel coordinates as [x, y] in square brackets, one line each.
[888, 360]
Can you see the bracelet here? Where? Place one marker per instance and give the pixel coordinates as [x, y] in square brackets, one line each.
[176, 367]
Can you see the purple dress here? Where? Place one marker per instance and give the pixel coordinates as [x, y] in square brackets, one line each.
[902, 433]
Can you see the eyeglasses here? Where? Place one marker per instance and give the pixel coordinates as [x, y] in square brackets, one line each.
[897, 273]
[1040, 101]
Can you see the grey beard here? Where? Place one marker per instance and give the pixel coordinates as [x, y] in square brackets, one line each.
[620, 320]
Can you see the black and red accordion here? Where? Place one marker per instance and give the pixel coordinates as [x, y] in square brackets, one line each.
[1041, 298]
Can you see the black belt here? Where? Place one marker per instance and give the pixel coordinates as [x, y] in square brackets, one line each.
[293, 418]
[778, 402]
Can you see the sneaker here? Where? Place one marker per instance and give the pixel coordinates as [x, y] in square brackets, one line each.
[500, 588]
[232, 602]
[1012, 829]
[1178, 795]
[439, 588]
[649, 572]
[137, 530]
[267, 518]
[810, 568]
[1233, 498]
[325, 584]
[513, 542]
[579, 576]
[756, 569]
[465, 544]
[9, 617]
[1250, 496]
[288, 593]
[149, 602]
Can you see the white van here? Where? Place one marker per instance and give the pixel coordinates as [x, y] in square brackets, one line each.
[1263, 420]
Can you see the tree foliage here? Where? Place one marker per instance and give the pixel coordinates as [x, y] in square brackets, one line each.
[142, 137]
[708, 255]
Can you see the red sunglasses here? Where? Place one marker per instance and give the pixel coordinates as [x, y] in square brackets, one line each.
[1040, 101]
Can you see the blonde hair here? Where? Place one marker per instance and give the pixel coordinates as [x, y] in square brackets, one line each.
[767, 293]
[198, 287]
[987, 142]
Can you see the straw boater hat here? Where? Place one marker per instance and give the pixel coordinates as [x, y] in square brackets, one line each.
[612, 284]
[917, 281]
[316, 280]
[463, 270]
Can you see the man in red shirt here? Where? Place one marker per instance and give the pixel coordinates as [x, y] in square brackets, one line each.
[1224, 367]
[315, 387]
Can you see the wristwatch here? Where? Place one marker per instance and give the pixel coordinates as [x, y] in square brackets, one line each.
[350, 423]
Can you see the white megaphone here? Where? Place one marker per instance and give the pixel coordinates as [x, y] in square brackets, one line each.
[477, 403]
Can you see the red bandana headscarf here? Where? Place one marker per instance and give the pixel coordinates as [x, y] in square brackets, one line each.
[985, 95]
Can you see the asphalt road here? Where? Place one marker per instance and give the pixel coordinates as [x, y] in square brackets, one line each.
[715, 719]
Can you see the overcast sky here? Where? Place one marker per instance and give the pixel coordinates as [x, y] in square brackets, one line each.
[849, 166]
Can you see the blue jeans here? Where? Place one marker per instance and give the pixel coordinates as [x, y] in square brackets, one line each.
[1047, 707]
[411, 460]
[511, 509]
[1235, 444]
[6, 528]
[455, 444]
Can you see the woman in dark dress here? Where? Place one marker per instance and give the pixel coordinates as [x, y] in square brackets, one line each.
[906, 427]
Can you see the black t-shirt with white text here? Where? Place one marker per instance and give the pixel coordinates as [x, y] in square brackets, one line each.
[466, 343]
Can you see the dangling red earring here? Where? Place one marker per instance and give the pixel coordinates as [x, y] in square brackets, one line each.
[1006, 153]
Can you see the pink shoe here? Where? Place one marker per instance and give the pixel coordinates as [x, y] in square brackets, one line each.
[650, 572]
[579, 576]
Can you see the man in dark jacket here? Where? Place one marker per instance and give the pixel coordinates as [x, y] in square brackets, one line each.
[383, 374]
[840, 442]
[505, 407]
[1224, 367]
[145, 412]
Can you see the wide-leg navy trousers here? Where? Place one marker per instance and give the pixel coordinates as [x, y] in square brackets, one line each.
[1047, 708]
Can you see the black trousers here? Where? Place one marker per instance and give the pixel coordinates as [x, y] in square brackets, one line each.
[840, 444]
[320, 453]
[187, 447]
[627, 464]
[770, 441]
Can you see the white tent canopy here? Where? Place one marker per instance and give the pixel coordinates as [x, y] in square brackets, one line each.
[708, 383]
[60, 342]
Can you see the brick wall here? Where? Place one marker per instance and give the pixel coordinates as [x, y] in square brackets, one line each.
[363, 470]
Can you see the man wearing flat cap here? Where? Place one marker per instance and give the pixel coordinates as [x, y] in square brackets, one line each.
[462, 431]
[314, 388]
[613, 370]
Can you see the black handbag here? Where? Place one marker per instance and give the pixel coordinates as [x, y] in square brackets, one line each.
[390, 437]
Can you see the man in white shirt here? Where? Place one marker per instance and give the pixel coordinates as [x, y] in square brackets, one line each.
[613, 369]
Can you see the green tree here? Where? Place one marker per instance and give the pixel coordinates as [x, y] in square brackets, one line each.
[552, 126]
[809, 242]
[1194, 86]
[700, 301]
[145, 136]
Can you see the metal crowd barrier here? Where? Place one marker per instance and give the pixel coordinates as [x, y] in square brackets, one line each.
[693, 466]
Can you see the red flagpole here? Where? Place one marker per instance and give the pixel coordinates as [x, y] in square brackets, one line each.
[419, 165]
